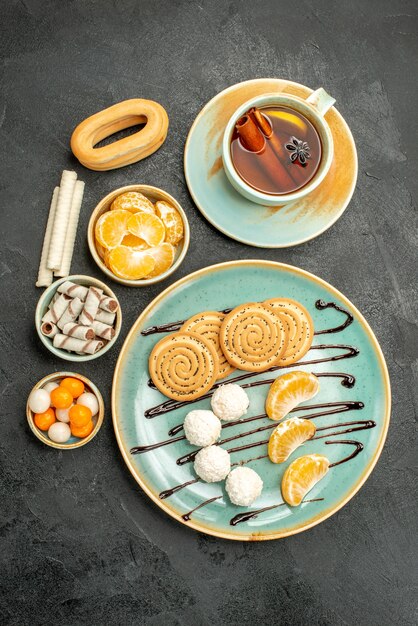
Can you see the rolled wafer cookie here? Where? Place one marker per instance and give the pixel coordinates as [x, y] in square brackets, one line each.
[49, 329]
[103, 330]
[252, 337]
[62, 213]
[45, 275]
[105, 317]
[91, 306]
[208, 325]
[72, 329]
[108, 304]
[56, 309]
[73, 290]
[73, 217]
[77, 345]
[183, 366]
[71, 312]
[300, 340]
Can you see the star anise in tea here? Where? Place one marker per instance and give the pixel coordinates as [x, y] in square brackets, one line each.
[299, 150]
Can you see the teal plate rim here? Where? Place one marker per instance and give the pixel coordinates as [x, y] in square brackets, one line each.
[260, 535]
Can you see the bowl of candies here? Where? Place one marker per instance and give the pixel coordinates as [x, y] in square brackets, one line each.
[65, 410]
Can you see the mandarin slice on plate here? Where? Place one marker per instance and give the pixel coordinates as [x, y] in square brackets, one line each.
[126, 262]
[288, 391]
[172, 220]
[147, 227]
[163, 256]
[133, 201]
[288, 436]
[111, 228]
[301, 476]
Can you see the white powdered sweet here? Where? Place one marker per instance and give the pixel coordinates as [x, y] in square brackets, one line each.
[243, 486]
[230, 402]
[212, 464]
[202, 428]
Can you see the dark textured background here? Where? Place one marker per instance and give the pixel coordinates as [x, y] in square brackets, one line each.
[80, 543]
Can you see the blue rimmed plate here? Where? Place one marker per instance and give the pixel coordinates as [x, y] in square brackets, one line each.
[355, 389]
[235, 216]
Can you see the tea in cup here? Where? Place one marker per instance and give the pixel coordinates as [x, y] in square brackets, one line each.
[277, 148]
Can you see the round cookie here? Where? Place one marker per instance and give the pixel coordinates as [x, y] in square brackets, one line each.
[183, 366]
[253, 337]
[208, 325]
[301, 328]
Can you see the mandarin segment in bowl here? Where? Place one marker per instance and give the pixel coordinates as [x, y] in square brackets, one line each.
[163, 256]
[174, 229]
[111, 228]
[288, 391]
[288, 436]
[133, 201]
[147, 227]
[301, 476]
[129, 263]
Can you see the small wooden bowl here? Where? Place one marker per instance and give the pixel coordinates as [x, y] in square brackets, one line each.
[153, 194]
[42, 307]
[73, 442]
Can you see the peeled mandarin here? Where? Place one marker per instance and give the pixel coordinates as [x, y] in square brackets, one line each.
[132, 241]
[61, 398]
[79, 415]
[111, 228]
[172, 221]
[82, 431]
[288, 436]
[301, 476]
[133, 201]
[89, 399]
[163, 256]
[288, 391]
[147, 227]
[44, 420]
[74, 385]
[129, 263]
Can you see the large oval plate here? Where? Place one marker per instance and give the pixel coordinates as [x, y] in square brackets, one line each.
[256, 225]
[359, 356]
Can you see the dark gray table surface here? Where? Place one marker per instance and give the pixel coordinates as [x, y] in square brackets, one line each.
[80, 542]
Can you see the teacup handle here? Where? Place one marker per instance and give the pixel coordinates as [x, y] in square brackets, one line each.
[321, 100]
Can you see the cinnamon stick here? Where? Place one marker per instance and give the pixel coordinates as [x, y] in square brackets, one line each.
[250, 134]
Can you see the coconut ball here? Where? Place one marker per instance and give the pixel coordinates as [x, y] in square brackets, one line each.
[243, 486]
[230, 402]
[202, 428]
[212, 464]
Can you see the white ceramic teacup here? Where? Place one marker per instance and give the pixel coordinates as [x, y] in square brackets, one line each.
[314, 109]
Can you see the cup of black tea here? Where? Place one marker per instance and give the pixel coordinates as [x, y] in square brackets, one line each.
[277, 147]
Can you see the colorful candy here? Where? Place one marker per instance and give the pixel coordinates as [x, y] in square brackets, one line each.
[59, 432]
[61, 398]
[39, 401]
[89, 400]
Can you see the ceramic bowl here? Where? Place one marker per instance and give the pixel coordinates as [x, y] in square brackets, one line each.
[42, 307]
[73, 442]
[154, 194]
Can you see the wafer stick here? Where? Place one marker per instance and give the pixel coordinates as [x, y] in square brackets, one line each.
[57, 309]
[67, 255]
[49, 329]
[91, 306]
[108, 304]
[103, 330]
[71, 312]
[77, 345]
[73, 290]
[45, 274]
[72, 329]
[62, 214]
[105, 317]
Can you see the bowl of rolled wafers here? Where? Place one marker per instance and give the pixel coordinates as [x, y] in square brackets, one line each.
[78, 318]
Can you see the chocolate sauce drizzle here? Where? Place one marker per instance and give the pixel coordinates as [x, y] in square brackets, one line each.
[352, 427]
[321, 304]
[339, 407]
[244, 517]
[171, 327]
[347, 379]
[186, 517]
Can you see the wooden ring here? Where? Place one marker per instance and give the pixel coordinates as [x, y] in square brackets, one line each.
[113, 119]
